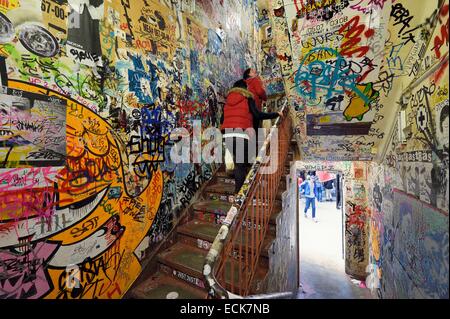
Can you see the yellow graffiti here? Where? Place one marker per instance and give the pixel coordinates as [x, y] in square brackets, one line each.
[93, 149]
[358, 107]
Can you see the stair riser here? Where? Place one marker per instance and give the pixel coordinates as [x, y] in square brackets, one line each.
[206, 245]
[194, 281]
[219, 217]
[219, 196]
[225, 180]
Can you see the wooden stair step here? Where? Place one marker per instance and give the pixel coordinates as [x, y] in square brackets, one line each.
[162, 286]
[205, 231]
[185, 261]
[272, 230]
[220, 188]
[279, 194]
[212, 211]
[200, 229]
[278, 205]
[212, 206]
[215, 211]
[185, 258]
[274, 216]
[267, 243]
[225, 177]
[259, 284]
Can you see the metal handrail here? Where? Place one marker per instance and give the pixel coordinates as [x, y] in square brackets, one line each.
[216, 290]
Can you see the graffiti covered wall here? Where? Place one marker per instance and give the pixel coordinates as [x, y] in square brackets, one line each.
[269, 65]
[91, 91]
[408, 189]
[354, 65]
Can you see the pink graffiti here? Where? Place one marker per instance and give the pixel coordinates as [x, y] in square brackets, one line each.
[23, 276]
[26, 178]
[27, 192]
[367, 7]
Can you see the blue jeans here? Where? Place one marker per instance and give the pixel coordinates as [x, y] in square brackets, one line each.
[311, 201]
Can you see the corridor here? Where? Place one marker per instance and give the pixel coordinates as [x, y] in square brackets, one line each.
[322, 266]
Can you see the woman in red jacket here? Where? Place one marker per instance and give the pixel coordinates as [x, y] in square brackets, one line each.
[239, 112]
[256, 86]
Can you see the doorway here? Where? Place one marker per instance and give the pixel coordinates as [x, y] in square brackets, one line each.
[321, 240]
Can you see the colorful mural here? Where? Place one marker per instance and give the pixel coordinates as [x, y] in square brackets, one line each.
[355, 65]
[87, 188]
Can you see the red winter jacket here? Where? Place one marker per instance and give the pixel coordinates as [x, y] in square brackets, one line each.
[255, 85]
[236, 112]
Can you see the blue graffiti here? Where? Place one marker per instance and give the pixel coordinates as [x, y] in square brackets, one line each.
[144, 83]
[157, 122]
[275, 87]
[214, 42]
[333, 78]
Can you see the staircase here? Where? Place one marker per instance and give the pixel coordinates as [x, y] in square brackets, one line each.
[178, 270]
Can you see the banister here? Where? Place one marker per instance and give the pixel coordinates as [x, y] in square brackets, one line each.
[216, 290]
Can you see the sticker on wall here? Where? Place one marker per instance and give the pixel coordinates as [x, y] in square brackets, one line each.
[38, 41]
[442, 122]
[6, 29]
[422, 118]
[32, 129]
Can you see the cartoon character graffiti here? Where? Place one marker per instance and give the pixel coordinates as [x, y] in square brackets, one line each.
[358, 106]
[83, 226]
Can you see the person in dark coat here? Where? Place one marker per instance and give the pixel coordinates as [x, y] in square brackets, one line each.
[329, 185]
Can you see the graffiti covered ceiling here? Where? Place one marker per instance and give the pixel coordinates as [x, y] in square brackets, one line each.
[349, 63]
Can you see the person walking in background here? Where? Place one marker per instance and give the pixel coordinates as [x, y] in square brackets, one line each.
[320, 189]
[328, 187]
[239, 112]
[310, 190]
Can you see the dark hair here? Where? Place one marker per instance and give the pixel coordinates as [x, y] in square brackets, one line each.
[240, 84]
[444, 114]
[247, 73]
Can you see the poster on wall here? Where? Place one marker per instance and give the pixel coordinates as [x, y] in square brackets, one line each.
[153, 28]
[442, 128]
[84, 20]
[32, 129]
